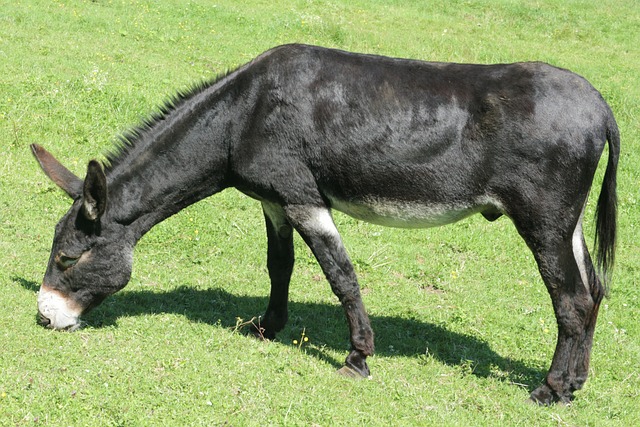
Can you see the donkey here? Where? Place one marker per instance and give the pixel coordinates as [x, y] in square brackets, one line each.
[397, 142]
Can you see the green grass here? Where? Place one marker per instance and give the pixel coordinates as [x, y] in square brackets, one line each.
[464, 326]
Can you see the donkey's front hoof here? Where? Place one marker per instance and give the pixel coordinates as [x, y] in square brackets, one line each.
[261, 333]
[349, 372]
[355, 366]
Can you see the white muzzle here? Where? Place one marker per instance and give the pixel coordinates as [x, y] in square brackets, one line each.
[56, 311]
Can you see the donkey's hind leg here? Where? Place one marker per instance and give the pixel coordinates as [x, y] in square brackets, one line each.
[280, 258]
[316, 227]
[576, 292]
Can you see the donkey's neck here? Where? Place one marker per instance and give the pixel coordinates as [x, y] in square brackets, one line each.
[177, 159]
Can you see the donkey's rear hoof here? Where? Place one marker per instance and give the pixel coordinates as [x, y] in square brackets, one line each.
[545, 396]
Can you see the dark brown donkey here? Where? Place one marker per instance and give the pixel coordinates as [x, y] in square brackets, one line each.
[397, 142]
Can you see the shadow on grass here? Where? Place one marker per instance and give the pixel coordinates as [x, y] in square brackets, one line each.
[325, 323]
[27, 284]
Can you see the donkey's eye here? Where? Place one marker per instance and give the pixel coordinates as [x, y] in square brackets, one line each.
[64, 261]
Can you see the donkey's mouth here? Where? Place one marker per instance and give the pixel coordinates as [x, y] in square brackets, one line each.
[43, 320]
[46, 322]
[57, 312]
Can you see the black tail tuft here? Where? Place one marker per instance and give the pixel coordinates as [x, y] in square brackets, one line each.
[607, 208]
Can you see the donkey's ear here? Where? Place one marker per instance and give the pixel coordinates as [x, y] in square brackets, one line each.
[94, 193]
[63, 177]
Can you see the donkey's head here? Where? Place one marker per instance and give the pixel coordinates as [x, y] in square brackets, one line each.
[91, 255]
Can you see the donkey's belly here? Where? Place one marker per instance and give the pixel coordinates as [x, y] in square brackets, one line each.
[403, 214]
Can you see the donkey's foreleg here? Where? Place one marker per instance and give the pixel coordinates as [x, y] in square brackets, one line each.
[318, 230]
[280, 257]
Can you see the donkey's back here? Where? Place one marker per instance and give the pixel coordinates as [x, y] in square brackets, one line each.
[412, 143]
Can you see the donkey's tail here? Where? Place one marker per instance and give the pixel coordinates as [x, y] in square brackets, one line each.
[606, 210]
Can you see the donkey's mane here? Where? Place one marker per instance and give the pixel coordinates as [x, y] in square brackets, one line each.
[129, 139]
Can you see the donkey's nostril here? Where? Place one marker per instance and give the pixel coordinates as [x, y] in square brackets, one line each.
[44, 321]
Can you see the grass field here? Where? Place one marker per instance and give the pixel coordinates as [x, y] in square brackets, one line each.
[464, 326]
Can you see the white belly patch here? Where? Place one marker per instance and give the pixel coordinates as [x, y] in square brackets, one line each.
[403, 214]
